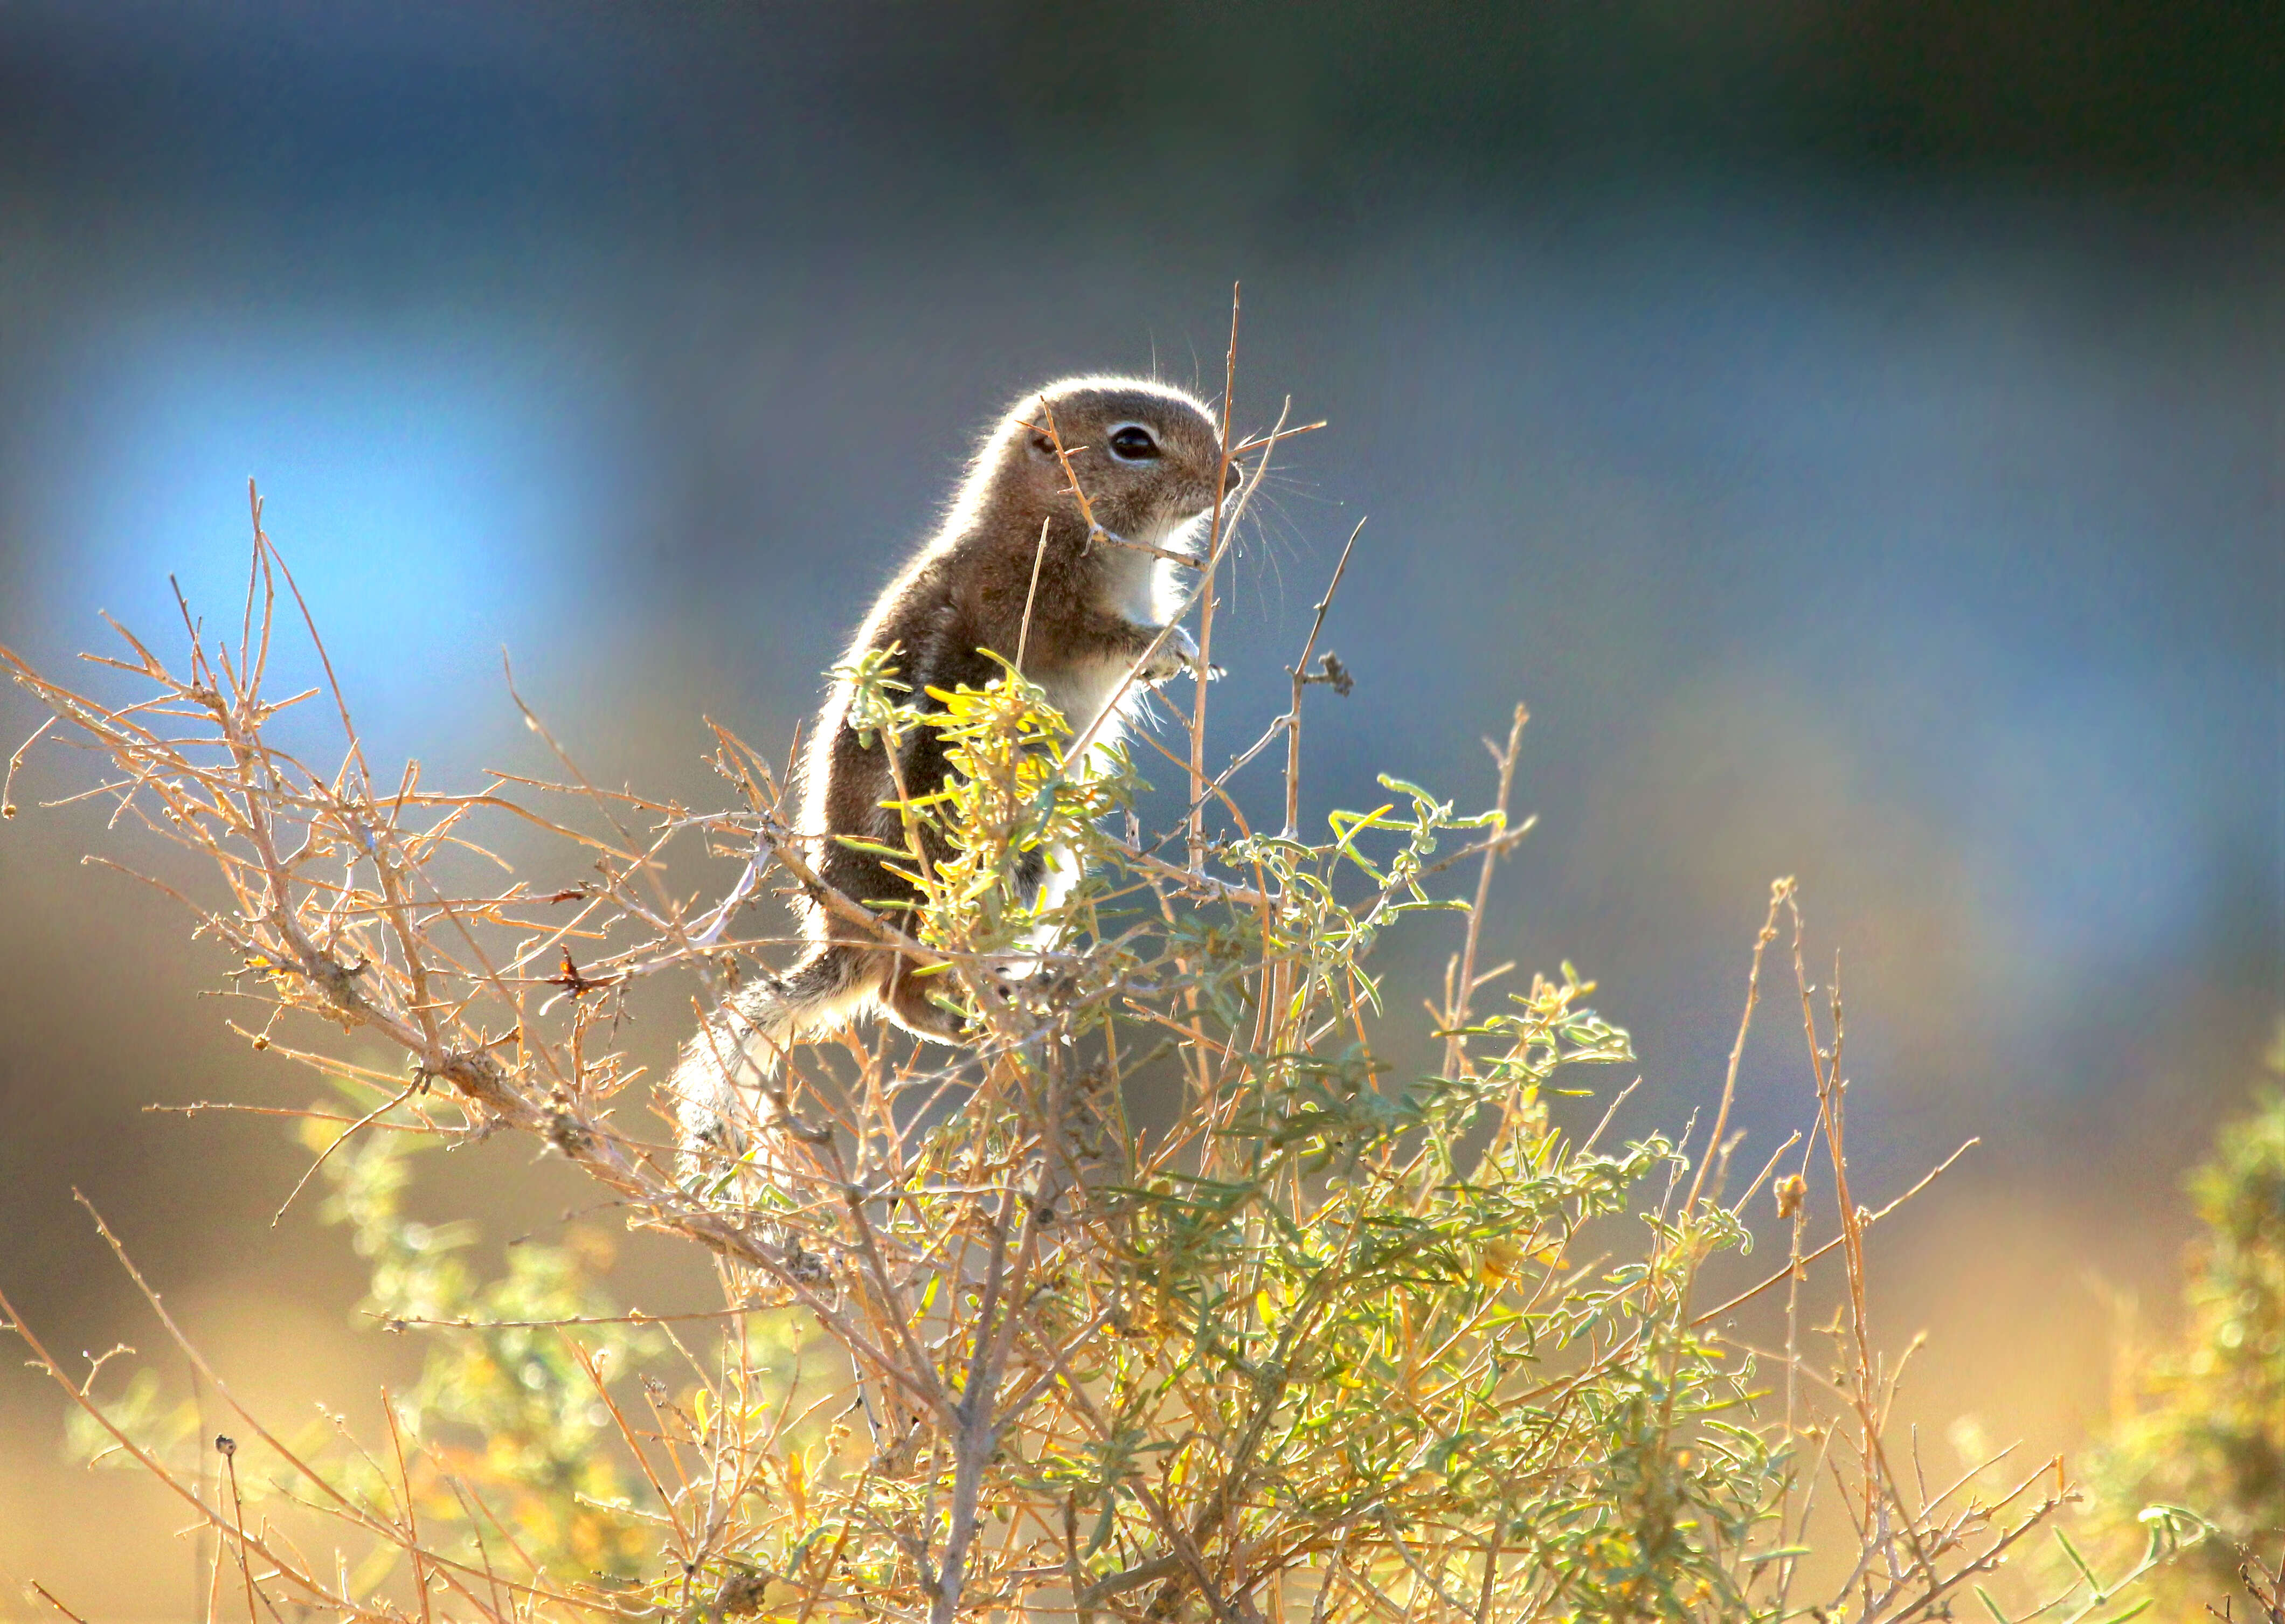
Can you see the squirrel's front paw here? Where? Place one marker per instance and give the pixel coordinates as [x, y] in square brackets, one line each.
[1178, 653]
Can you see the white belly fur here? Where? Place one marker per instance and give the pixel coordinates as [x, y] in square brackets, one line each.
[1136, 589]
[1083, 692]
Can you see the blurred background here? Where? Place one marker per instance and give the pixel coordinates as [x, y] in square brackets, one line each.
[1856, 431]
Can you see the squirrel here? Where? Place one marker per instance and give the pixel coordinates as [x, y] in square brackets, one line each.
[1016, 564]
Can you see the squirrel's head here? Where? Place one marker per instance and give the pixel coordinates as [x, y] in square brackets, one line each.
[1147, 455]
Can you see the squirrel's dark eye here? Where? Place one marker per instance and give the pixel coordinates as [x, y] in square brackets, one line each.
[1132, 443]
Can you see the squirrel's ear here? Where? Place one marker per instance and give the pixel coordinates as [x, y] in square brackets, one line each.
[1041, 446]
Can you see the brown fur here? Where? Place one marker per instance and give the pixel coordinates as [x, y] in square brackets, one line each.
[1095, 609]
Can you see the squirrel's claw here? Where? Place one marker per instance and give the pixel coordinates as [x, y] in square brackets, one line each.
[1179, 654]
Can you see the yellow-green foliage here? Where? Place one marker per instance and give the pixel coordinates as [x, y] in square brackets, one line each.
[2211, 1434]
[508, 1439]
[516, 1418]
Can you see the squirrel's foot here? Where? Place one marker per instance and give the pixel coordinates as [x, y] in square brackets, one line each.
[1177, 655]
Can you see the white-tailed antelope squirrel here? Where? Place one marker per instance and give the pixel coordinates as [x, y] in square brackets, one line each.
[1149, 459]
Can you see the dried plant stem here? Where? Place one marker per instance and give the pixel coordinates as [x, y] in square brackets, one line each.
[1300, 672]
[1206, 596]
[1459, 998]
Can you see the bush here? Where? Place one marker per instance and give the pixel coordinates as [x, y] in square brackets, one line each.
[1170, 1297]
[2208, 1433]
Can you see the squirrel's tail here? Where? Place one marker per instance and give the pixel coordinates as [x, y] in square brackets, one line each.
[720, 1082]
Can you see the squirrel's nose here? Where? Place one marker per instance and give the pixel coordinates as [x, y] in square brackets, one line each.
[1232, 478]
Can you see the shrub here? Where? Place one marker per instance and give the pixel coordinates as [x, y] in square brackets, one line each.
[2209, 1429]
[1171, 1297]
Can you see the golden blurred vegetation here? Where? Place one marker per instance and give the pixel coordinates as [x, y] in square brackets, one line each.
[2202, 1416]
